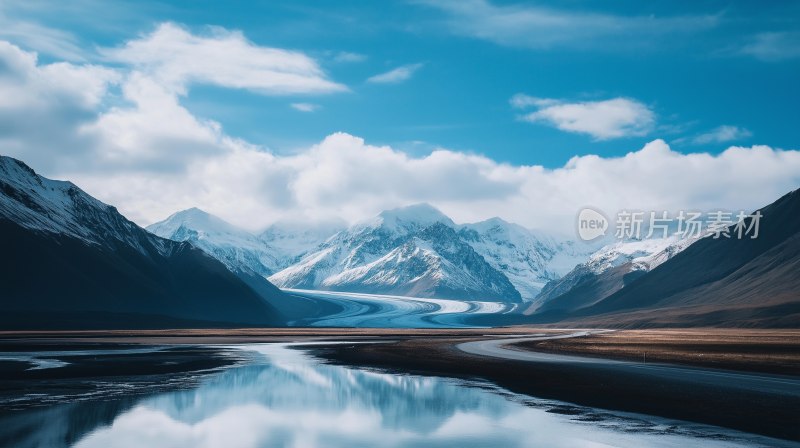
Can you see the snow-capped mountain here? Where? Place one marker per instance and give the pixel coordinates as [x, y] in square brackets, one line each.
[527, 258]
[414, 251]
[74, 261]
[289, 241]
[397, 252]
[281, 245]
[607, 271]
[236, 248]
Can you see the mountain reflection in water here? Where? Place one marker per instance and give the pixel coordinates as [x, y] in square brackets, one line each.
[286, 398]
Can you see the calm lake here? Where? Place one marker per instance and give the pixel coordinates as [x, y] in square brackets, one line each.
[280, 396]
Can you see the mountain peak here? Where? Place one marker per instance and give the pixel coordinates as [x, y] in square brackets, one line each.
[194, 219]
[192, 212]
[238, 249]
[16, 172]
[421, 215]
[193, 215]
[10, 163]
[493, 223]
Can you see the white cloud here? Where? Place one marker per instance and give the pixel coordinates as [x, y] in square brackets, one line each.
[83, 85]
[149, 129]
[773, 46]
[343, 177]
[396, 75]
[346, 56]
[614, 118]
[722, 134]
[539, 27]
[156, 132]
[43, 106]
[176, 58]
[305, 107]
[149, 156]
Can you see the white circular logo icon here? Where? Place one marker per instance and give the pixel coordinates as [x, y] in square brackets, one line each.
[591, 224]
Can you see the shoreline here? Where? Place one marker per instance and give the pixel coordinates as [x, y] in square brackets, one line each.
[725, 405]
[49, 374]
[765, 351]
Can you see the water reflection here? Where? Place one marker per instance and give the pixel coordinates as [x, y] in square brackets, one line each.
[285, 398]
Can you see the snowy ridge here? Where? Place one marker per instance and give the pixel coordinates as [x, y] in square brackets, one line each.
[234, 247]
[606, 271]
[59, 207]
[527, 258]
[278, 247]
[408, 251]
[642, 253]
[650, 262]
[414, 267]
[290, 241]
[409, 219]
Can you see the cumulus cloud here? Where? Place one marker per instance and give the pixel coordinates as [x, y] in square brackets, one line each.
[126, 139]
[305, 107]
[722, 134]
[343, 177]
[340, 177]
[175, 58]
[44, 105]
[540, 27]
[130, 116]
[396, 75]
[657, 178]
[607, 119]
[152, 131]
[29, 85]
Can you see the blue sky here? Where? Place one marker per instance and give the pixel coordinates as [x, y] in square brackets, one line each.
[155, 88]
[695, 74]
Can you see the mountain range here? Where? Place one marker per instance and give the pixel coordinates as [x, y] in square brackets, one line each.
[71, 261]
[414, 250]
[276, 248]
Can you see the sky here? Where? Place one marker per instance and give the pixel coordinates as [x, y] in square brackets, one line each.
[315, 111]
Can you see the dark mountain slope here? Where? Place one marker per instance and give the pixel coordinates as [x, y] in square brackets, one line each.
[70, 261]
[725, 281]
